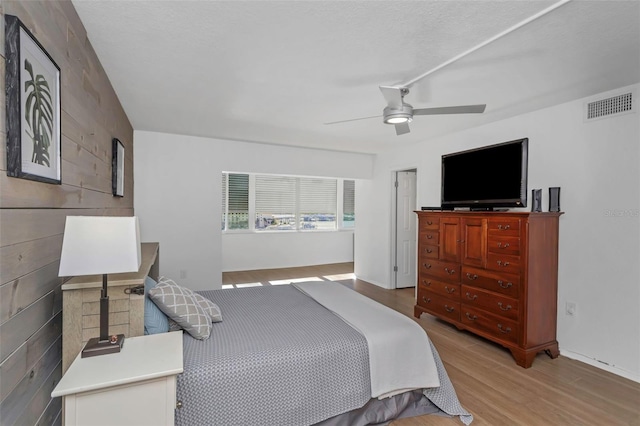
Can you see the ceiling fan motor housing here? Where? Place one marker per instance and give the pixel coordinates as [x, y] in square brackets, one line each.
[401, 114]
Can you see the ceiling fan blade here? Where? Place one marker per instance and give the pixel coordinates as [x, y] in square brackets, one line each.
[462, 109]
[393, 95]
[402, 128]
[353, 119]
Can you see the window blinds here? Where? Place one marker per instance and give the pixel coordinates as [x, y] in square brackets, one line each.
[318, 196]
[275, 195]
[349, 197]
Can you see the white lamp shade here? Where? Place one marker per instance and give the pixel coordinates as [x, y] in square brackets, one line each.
[100, 245]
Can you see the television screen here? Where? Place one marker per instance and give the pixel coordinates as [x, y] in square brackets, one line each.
[487, 177]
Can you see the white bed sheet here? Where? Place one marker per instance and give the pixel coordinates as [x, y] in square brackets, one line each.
[400, 355]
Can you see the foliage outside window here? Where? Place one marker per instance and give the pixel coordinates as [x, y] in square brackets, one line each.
[285, 203]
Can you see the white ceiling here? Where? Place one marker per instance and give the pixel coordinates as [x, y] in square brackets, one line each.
[276, 71]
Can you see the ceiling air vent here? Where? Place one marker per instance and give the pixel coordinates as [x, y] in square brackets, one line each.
[613, 105]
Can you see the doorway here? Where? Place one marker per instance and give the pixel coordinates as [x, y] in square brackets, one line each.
[404, 225]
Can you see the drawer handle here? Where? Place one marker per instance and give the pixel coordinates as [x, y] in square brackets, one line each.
[429, 250]
[139, 290]
[471, 318]
[501, 263]
[449, 290]
[504, 330]
[429, 236]
[504, 227]
[475, 296]
[427, 265]
[450, 271]
[426, 283]
[429, 222]
[425, 300]
[472, 277]
[179, 405]
[504, 309]
[460, 241]
[449, 308]
[503, 285]
[506, 245]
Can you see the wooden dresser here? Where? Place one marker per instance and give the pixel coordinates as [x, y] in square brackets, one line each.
[494, 274]
[81, 305]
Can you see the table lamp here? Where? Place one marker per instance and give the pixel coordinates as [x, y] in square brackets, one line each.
[94, 245]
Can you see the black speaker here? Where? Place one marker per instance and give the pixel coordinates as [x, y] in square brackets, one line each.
[536, 200]
[554, 199]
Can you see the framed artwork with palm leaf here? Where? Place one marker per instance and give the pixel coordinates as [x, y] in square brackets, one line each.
[33, 107]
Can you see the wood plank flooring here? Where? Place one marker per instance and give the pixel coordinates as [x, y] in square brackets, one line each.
[487, 380]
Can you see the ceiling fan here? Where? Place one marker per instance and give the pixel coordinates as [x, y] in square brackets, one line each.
[400, 114]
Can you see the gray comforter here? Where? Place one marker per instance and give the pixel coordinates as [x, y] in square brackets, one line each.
[280, 358]
[277, 358]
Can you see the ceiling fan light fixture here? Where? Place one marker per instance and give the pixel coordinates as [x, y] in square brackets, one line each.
[397, 120]
[404, 114]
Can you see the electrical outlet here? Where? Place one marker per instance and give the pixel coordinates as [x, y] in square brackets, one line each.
[570, 308]
[183, 273]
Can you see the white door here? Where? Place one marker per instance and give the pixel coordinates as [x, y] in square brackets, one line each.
[405, 267]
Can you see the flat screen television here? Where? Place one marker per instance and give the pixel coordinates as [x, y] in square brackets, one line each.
[487, 177]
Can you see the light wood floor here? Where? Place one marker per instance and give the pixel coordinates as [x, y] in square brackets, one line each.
[489, 383]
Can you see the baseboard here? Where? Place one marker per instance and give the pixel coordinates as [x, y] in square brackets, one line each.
[370, 281]
[601, 365]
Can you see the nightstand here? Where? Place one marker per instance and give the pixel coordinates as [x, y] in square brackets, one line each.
[134, 387]
[81, 305]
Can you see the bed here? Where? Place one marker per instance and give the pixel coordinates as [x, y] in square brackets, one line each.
[315, 353]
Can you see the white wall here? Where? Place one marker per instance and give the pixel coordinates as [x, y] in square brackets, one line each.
[177, 197]
[597, 166]
[263, 250]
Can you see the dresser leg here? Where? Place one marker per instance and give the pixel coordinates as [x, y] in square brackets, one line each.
[523, 358]
[553, 351]
[417, 312]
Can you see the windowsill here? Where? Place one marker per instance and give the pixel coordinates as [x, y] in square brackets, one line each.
[287, 231]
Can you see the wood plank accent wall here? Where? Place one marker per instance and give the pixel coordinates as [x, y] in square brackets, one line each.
[32, 214]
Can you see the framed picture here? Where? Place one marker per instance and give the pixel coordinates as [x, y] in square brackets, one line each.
[117, 168]
[32, 81]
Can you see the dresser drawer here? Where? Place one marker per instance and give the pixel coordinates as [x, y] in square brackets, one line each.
[502, 244]
[445, 270]
[438, 305]
[428, 237]
[429, 251]
[507, 284]
[439, 287]
[503, 263]
[506, 226]
[429, 222]
[500, 327]
[491, 302]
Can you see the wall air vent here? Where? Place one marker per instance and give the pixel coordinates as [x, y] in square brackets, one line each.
[609, 106]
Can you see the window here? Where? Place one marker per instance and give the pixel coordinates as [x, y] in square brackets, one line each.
[348, 204]
[235, 201]
[318, 203]
[275, 202]
[271, 202]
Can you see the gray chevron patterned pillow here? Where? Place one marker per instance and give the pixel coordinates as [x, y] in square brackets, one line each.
[179, 304]
[209, 307]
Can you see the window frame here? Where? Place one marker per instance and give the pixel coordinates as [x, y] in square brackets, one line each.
[252, 207]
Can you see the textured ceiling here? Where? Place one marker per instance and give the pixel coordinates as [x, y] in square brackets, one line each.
[276, 71]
